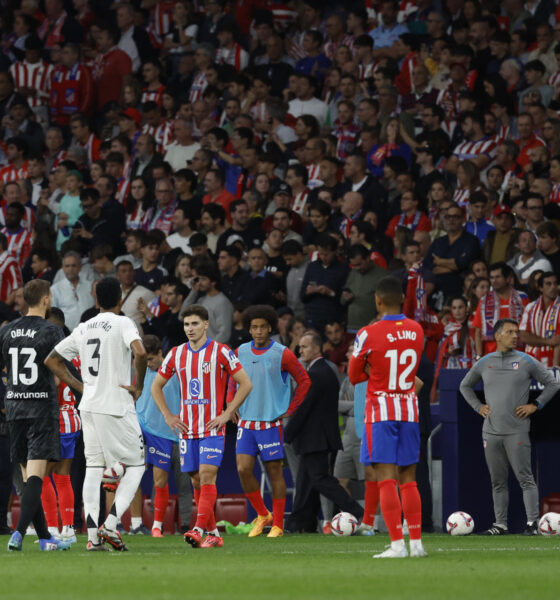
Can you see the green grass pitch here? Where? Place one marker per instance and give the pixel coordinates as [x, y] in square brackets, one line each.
[292, 567]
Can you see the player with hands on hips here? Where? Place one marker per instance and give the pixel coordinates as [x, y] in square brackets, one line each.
[202, 367]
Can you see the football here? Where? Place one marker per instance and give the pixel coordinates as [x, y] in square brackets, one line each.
[460, 523]
[549, 524]
[344, 524]
[114, 473]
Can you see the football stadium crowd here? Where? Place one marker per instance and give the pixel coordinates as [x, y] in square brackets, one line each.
[290, 153]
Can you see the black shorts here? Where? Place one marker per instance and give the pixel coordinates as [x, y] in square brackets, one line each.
[34, 439]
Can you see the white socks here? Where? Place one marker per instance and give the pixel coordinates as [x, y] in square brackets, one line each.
[398, 545]
[157, 525]
[124, 494]
[135, 522]
[91, 494]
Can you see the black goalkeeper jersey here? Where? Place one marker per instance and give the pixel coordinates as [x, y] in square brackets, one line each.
[30, 389]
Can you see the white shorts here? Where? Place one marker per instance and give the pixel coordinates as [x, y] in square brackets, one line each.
[109, 439]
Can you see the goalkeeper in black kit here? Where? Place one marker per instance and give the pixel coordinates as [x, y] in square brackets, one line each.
[32, 407]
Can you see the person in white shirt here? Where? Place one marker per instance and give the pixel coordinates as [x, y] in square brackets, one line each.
[181, 227]
[528, 259]
[132, 292]
[112, 435]
[305, 102]
[182, 150]
[72, 294]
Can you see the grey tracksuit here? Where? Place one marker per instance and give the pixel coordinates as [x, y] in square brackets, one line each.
[507, 377]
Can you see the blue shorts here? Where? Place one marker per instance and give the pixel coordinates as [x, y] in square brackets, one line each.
[68, 444]
[391, 442]
[158, 451]
[269, 443]
[203, 451]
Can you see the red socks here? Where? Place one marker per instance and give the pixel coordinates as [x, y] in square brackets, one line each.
[412, 508]
[257, 503]
[391, 508]
[161, 500]
[371, 501]
[48, 498]
[65, 498]
[208, 495]
[278, 509]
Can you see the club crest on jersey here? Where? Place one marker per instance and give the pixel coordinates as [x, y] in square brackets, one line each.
[206, 367]
[515, 365]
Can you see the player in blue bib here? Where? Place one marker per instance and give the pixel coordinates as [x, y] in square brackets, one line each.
[158, 436]
[269, 366]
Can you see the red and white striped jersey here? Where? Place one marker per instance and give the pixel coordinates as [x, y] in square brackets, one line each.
[11, 173]
[203, 377]
[235, 56]
[69, 418]
[153, 95]
[392, 348]
[19, 244]
[61, 155]
[123, 188]
[299, 202]
[469, 150]
[544, 322]
[283, 15]
[313, 179]
[157, 307]
[36, 76]
[555, 194]
[330, 47]
[92, 148]
[198, 86]
[163, 134]
[554, 79]
[258, 111]
[161, 18]
[367, 71]
[28, 221]
[461, 196]
[10, 275]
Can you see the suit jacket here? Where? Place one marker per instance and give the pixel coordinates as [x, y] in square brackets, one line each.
[314, 425]
[155, 161]
[375, 198]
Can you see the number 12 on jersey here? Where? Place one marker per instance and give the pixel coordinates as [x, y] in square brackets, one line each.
[407, 358]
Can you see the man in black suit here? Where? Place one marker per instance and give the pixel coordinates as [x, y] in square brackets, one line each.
[314, 434]
[146, 158]
[359, 180]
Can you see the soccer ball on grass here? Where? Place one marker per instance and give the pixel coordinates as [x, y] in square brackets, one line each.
[344, 524]
[459, 523]
[549, 524]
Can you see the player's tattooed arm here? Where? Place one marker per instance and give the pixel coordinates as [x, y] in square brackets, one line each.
[56, 364]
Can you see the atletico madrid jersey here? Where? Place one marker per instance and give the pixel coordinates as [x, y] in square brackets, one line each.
[392, 348]
[203, 376]
[69, 417]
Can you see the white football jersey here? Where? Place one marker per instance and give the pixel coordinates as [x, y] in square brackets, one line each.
[103, 345]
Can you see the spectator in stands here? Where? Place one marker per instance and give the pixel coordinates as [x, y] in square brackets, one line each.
[529, 258]
[205, 292]
[305, 102]
[181, 227]
[214, 187]
[234, 280]
[110, 67]
[449, 256]
[160, 215]
[134, 41]
[150, 274]
[501, 302]
[11, 278]
[132, 293]
[72, 294]
[181, 151]
[322, 285]
[167, 326]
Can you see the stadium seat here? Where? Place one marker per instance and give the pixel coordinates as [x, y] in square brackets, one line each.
[550, 503]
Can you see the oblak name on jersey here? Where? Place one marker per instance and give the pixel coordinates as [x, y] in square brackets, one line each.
[392, 348]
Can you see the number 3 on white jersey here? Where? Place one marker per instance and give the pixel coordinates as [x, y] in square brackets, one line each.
[397, 360]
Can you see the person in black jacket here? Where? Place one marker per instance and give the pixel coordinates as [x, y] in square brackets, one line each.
[167, 326]
[322, 285]
[314, 434]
